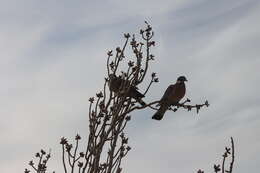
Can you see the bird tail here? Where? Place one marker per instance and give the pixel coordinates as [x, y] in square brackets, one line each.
[136, 94]
[141, 102]
[160, 113]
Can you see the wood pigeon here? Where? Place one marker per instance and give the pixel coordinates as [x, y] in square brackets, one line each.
[116, 85]
[172, 96]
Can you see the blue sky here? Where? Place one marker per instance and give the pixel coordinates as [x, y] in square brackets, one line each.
[53, 59]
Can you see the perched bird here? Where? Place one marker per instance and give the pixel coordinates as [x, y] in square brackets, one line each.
[116, 85]
[172, 96]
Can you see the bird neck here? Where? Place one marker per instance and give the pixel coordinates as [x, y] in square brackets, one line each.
[179, 82]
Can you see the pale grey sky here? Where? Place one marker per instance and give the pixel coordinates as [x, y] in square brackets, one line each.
[52, 59]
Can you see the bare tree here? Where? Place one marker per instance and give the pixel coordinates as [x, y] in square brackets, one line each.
[111, 109]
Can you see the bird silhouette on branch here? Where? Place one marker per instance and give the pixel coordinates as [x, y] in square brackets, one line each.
[111, 109]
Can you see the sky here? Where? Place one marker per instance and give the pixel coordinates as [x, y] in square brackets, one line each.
[53, 56]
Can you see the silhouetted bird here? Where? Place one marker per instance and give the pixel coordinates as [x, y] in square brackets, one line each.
[172, 96]
[117, 84]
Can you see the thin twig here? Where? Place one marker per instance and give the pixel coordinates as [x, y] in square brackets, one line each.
[233, 155]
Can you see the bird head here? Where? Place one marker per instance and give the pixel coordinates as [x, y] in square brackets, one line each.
[181, 79]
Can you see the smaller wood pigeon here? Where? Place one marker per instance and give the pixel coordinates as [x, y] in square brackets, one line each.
[116, 85]
[172, 96]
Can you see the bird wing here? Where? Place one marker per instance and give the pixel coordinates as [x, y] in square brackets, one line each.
[173, 94]
[168, 93]
[133, 92]
[116, 84]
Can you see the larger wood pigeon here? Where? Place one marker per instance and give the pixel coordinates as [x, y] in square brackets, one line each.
[172, 96]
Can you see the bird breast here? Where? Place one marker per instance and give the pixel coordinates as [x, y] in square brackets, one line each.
[178, 93]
